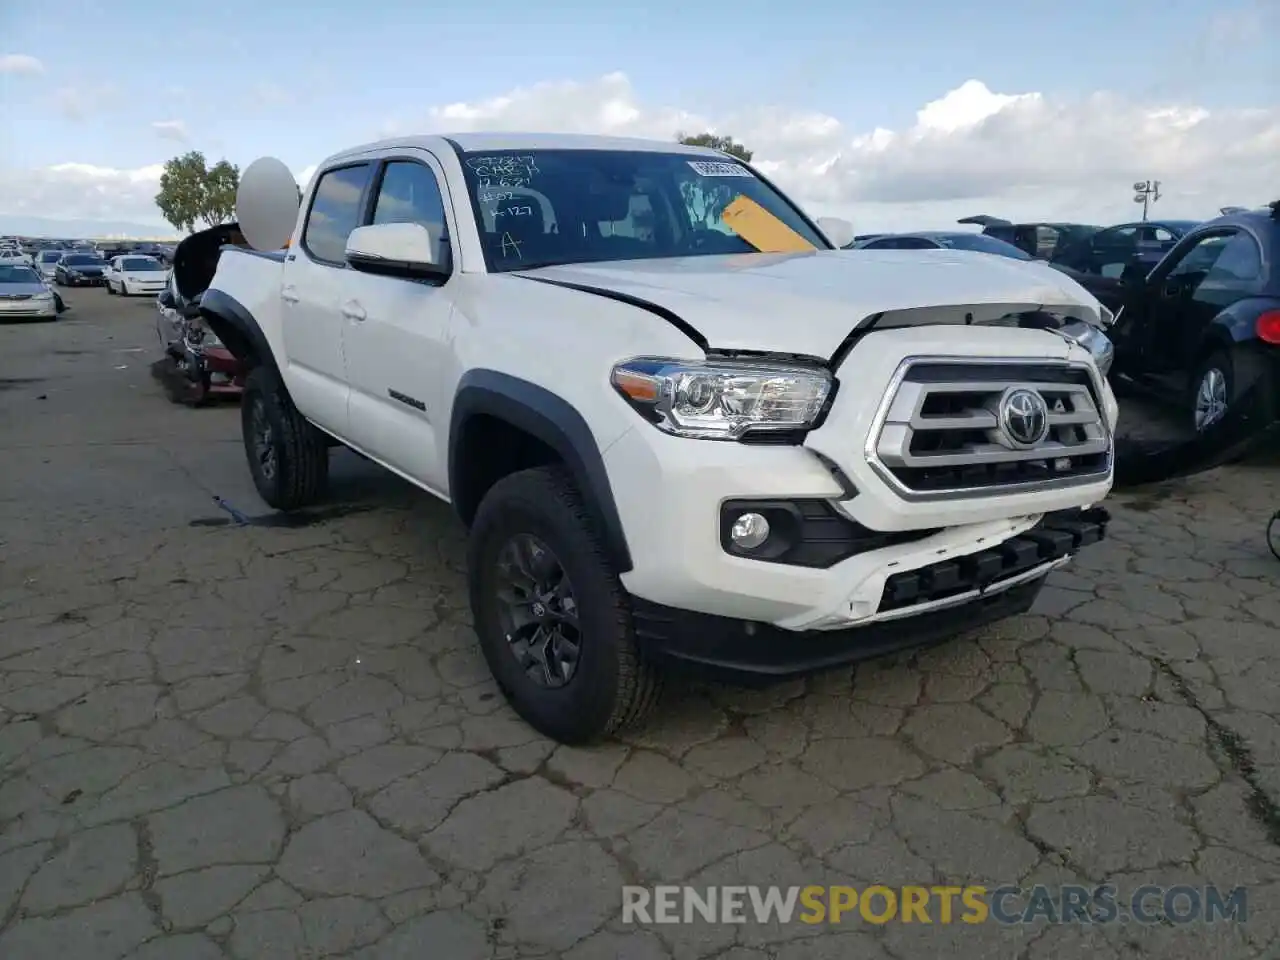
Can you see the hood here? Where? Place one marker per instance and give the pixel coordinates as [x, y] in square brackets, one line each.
[32, 289]
[84, 268]
[196, 258]
[809, 303]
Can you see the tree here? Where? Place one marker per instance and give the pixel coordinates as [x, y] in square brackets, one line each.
[190, 191]
[716, 142]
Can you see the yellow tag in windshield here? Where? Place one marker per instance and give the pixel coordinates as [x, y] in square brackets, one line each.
[760, 228]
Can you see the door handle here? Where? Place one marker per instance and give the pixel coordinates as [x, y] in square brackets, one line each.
[289, 294]
[353, 311]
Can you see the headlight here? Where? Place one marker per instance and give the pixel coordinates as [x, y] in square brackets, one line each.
[723, 400]
[47, 295]
[1092, 339]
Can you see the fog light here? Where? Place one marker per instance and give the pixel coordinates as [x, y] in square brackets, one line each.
[749, 531]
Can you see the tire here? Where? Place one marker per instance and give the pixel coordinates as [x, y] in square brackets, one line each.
[612, 686]
[296, 473]
[1213, 379]
[110, 290]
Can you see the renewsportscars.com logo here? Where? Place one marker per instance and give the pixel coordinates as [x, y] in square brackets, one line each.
[877, 904]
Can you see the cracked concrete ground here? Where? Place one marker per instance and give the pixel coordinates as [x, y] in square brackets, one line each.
[248, 741]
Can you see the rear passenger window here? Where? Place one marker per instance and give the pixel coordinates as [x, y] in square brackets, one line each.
[1239, 264]
[410, 194]
[335, 212]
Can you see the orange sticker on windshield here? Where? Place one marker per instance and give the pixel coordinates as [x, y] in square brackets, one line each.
[760, 228]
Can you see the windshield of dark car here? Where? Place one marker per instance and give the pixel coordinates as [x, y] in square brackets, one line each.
[976, 241]
[544, 207]
[82, 260]
[140, 264]
[16, 274]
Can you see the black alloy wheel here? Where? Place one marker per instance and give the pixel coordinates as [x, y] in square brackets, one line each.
[538, 611]
[262, 439]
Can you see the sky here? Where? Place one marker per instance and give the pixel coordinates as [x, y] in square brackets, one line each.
[894, 115]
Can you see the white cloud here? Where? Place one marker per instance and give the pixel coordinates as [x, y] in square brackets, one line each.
[20, 63]
[971, 150]
[82, 191]
[304, 175]
[81, 103]
[170, 130]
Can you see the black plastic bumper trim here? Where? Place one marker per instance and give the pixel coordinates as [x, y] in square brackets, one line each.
[1057, 535]
[756, 654]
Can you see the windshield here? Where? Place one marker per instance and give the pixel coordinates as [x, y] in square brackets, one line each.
[50, 256]
[15, 274]
[544, 207]
[983, 244]
[83, 260]
[140, 264]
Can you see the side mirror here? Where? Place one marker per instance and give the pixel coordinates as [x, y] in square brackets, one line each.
[408, 250]
[838, 231]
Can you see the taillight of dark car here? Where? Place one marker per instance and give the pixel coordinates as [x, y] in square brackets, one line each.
[1268, 327]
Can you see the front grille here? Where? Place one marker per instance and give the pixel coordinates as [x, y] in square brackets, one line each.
[15, 296]
[943, 433]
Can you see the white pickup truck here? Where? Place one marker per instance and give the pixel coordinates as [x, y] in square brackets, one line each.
[680, 423]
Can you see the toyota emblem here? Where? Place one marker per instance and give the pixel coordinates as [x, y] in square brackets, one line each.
[1024, 417]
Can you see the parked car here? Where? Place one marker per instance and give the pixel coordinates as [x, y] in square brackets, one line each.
[943, 240]
[1109, 252]
[679, 432]
[1205, 322]
[46, 262]
[24, 296]
[1041, 239]
[135, 276]
[13, 256]
[79, 270]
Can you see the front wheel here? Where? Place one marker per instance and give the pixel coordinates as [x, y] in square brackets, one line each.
[110, 289]
[288, 457]
[1212, 392]
[553, 619]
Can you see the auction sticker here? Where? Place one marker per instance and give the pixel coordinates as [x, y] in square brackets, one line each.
[719, 168]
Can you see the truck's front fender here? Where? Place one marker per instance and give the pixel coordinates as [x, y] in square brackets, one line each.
[547, 418]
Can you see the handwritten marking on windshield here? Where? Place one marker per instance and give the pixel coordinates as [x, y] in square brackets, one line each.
[511, 245]
[514, 212]
[503, 172]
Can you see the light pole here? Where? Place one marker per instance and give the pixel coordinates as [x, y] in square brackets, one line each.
[1146, 192]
